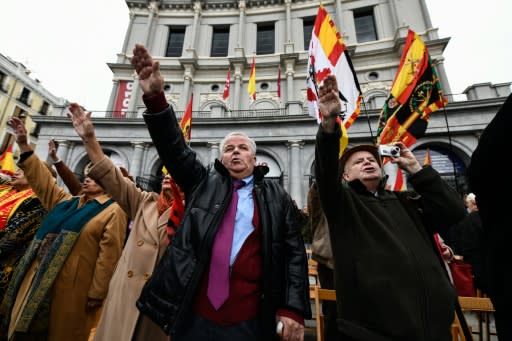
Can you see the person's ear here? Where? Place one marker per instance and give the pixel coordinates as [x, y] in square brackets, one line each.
[345, 176]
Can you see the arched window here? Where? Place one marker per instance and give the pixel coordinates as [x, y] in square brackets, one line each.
[451, 168]
[274, 172]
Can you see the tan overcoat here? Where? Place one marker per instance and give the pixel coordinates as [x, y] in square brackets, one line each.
[89, 266]
[146, 244]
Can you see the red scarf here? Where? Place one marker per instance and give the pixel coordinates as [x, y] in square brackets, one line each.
[176, 213]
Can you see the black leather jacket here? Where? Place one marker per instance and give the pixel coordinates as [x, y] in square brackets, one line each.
[168, 296]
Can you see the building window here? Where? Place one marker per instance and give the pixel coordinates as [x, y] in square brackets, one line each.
[25, 93]
[175, 41]
[364, 20]
[265, 39]
[308, 24]
[3, 78]
[44, 108]
[220, 42]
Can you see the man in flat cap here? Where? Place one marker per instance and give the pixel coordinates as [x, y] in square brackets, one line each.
[390, 284]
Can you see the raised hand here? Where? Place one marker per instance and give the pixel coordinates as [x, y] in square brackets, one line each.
[52, 150]
[406, 160]
[81, 121]
[148, 70]
[20, 132]
[329, 102]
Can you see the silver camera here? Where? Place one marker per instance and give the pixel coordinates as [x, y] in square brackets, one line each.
[389, 150]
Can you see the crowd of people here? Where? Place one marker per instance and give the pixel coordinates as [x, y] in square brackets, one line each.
[219, 253]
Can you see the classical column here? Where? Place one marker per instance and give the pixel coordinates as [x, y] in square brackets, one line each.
[138, 152]
[63, 150]
[441, 72]
[238, 84]
[339, 17]
[426, 15]
[153, 10]
[187, 80]
[288, 4]
[214, 151]
[289, 81]
[197, 13]
[113, 95]
[241, 23]
[128, 33]
[394, 14]
[295, 171]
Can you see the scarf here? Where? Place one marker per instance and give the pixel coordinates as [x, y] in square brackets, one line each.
[163, 203]
[176, 213]
[66, 220]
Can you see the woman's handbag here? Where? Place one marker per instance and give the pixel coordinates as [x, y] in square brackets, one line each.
[462, 274]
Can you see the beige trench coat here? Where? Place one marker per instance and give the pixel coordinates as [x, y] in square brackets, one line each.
[89, 266]
[146, 244]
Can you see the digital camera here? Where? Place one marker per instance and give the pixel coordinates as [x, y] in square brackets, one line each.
[389, 150]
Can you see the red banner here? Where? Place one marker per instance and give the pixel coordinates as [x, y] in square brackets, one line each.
[124, 95]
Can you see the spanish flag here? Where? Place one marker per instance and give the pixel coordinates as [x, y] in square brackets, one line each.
[7, 165]
[251, 87]
[186, 121]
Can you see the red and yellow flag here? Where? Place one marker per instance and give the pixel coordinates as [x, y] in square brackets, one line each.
[186, 121]
[328, 55]
[415, 94]
[7, 165]
[427, 160]
[225, 95]
[251, 87]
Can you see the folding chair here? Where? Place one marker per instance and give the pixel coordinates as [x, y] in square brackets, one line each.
[318, 295]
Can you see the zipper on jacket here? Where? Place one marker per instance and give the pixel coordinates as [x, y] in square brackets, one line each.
[200, 268]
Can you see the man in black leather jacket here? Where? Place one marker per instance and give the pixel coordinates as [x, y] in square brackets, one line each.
[268, 281]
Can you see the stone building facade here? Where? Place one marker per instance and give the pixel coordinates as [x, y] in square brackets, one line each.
[196, 42]
[23, 96]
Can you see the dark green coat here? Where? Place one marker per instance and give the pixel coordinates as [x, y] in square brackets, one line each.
[389, 282]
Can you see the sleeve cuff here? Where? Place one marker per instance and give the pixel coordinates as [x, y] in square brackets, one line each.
[25, 155]
[156, 103]
[291, 314]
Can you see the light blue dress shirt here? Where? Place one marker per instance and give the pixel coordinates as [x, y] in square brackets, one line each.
[243, 219]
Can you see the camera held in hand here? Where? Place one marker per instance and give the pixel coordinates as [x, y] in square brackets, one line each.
[389, 150]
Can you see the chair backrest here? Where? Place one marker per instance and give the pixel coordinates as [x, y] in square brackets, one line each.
[480, 304]
[318, 295]
[470, 304]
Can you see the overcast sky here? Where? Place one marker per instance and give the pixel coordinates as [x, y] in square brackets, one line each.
[67, 44]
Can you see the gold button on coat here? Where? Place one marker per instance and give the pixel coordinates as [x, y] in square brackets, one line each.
[130, 273]
[146, 276]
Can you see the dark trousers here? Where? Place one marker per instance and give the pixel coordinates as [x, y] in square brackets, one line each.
[331, 333]
[201, 329]
[503, 320]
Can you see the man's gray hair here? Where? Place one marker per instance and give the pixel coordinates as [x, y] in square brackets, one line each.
[252, 144]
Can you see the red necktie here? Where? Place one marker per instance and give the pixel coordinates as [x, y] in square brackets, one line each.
[218, 280]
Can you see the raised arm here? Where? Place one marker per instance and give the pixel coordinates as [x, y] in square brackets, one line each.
[68, 177]
[179, 159]
[36, 172]
[123, 191]
[327, 145]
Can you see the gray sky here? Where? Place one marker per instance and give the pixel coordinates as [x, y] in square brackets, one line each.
[68, 43]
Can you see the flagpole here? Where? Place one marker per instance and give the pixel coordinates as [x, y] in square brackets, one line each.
[451, 149]
[368, 120]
